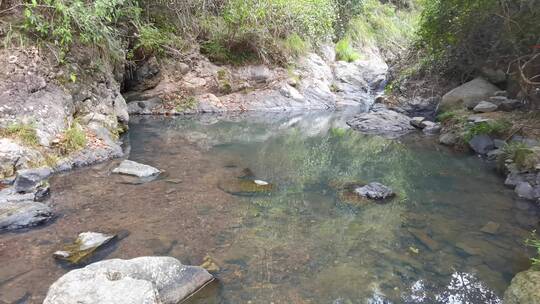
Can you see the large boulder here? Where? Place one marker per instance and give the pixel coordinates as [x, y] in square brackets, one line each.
[469, 94]
[382, 121]
[524, 288]
[23, 214]
[144, 280]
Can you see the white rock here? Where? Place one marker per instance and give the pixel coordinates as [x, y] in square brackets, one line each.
[129, 167]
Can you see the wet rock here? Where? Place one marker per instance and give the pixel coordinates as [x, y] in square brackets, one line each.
[524, 288]
[23, 214]
[382, 121]
[376, 191]
[525, 190]
[468, 94]
[448, 139]
[83, 247]
[481, 144]
[128, 167]
[28, 180]
[469, 248]
[149, 280]
[510, 105]
[246, 187]
[491, 228]
[494, 154]
[485, 107]
[513, 179]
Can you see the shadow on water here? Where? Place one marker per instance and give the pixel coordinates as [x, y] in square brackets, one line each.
[453, 234]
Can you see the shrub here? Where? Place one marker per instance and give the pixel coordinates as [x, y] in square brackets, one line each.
[518, 153]
[345, 52]
[23, 132]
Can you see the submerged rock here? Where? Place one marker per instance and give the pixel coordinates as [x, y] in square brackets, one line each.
[245, 186]
[28, 180]
[128, 167]
[448, 139]
[149, 280]
[524, 288]
[376, 191]
[23, 214]
[209, 264]
[83, 247]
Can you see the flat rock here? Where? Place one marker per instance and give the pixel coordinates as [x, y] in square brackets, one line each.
[485, 107]
[128, 167]
[23, 214]
[147, 280]
[29, 179]
[481, 144]
[524, 288]
[83, 247]
[376, 191]
[425, 239]
[382, 121]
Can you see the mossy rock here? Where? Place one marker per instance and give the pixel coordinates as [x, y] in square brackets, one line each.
[245, 187]
[346, 194]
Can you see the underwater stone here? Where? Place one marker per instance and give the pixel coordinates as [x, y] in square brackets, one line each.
[128, 167]
[245, 187]
[376, 191]
[83, 247]
[148, 280]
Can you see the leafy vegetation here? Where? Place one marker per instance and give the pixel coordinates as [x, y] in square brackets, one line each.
[534, 242]
[518, 153]
[23, 132]
[463, 35]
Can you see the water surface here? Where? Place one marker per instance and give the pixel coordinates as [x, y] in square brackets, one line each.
[303, 242]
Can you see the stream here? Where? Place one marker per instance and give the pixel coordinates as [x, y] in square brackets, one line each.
[453, 234]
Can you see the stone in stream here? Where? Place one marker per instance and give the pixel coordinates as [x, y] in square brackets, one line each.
[490, 228]
[431, 128]
[485, 107]
[148, 280]
[23, 214]
[524, 288]
[245, 186]
[481, 144]
[417, 122]
[525, 190]
[382, 121]
[83, 247]
[128, 167]
[425, 239]
[28, 180]
[448, 139]
[376, 191]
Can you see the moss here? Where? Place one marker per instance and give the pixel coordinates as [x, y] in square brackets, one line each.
[26, 133]
[185, 104]
[496, 127]
[224, 81]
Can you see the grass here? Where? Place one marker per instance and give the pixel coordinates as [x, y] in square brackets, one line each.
[345, 51]
[74, 139]
[496, 127]
[519, 153]
[23, 132]
[295, 46]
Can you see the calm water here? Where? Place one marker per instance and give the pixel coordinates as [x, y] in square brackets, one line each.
[304, 242]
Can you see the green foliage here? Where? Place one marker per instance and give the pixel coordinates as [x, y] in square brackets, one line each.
[65, 22]
[185, 104]
[74, 139]
[23, 132]
[269, 30]
[497, 127]
[446, 116]
[345, 52]
[463, 35]
[383, 25]
[151, 39]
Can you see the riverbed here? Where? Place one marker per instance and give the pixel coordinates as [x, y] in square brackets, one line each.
[453, 234]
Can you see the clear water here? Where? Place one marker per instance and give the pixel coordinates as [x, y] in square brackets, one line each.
[303, 243]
